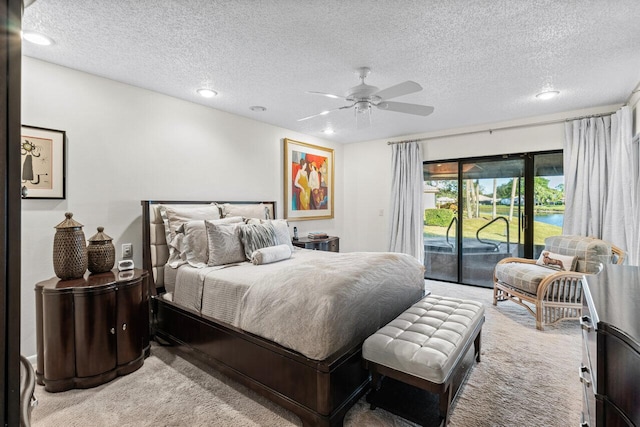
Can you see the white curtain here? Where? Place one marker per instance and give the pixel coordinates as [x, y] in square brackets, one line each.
[407, 211]
[601, 181]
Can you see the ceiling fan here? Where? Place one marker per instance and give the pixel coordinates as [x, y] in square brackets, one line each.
[363, 97]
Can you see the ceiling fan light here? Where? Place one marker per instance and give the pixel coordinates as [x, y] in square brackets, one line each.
[328, 131]
[547, 94]
[206, 93]
[363, 107]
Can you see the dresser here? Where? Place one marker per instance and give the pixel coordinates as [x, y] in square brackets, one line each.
[92, 329]
[331, 243]
[610, 368]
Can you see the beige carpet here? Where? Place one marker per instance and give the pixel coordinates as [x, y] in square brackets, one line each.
[526, 378]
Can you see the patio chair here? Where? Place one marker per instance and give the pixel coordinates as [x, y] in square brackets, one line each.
[552, 284]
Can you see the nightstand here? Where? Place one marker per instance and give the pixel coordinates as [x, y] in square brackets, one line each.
[91, 330]
[330, 244]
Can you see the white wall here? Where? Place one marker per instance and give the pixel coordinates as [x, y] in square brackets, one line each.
[126, 144]
[367, 174]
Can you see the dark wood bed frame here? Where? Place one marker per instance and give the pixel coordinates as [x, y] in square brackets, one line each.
[319, 392]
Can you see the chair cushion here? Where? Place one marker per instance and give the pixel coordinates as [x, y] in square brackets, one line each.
[591, 252]
[525, 277]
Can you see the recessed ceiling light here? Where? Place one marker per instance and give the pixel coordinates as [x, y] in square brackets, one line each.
[329, 131]
[548, 94]
[37, 38]
[258, 108]
[207, 93]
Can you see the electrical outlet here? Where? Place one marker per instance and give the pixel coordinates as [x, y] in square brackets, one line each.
[127, 250]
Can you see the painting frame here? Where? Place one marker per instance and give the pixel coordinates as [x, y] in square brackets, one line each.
[42, 166]
[316, 201]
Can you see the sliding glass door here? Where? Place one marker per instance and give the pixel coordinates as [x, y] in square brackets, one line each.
[548, 199]
[441, 220]
[478, 211]
[493, 207]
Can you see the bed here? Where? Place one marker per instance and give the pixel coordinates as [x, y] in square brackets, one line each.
[290, 330]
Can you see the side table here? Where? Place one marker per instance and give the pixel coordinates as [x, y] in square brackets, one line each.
[91, 330]
[331, 243]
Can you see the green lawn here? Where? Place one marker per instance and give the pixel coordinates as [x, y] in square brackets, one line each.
[496, 231]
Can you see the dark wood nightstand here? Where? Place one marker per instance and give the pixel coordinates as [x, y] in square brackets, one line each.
[330, 244]
[91, 330]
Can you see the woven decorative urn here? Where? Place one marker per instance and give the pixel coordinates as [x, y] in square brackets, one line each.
[69, 249]
[101, 252]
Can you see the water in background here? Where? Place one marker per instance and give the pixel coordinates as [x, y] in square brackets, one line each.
[553, 219]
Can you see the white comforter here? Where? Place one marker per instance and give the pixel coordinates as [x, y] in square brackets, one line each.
[315, 303]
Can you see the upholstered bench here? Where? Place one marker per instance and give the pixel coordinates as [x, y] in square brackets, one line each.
[424, 347]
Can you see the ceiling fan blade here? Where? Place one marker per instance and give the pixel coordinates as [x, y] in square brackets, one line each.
[324, 113]
[328, 95]
[399, 90]
[403, 107]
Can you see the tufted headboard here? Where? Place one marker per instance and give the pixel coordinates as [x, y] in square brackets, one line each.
[155, 251]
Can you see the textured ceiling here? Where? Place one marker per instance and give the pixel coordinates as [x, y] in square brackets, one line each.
[478, 61]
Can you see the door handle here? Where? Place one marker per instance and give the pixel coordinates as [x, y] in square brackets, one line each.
[584, 380]
[585, 323]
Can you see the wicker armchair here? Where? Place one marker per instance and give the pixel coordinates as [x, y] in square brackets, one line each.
[555, 295]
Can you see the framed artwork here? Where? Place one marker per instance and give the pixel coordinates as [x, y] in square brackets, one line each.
[43, 168]
[308, 181]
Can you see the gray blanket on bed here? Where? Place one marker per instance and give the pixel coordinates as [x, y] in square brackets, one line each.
[331, 303]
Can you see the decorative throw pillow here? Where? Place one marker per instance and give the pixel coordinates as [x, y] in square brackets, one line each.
[270, 254]
[557, 261]
[260, 210]
[256, 236]
[225, 246]
[195, 246]
[281, 227]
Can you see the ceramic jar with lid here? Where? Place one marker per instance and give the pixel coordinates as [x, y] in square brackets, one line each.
[69, 249]
[101, 252]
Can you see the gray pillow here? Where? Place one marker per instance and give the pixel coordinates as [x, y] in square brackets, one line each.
[224, 242]
[256, 236]
[196, 240]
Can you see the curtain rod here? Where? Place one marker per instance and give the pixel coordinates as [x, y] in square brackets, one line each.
[491, 130]
[406, 141]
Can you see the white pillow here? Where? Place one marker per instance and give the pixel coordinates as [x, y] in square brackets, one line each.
[225, 246]
[281, 228]
[176, 251]
[173, 216]
[195, 245]
[260, 210]
[270, 254]
[557, 261]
